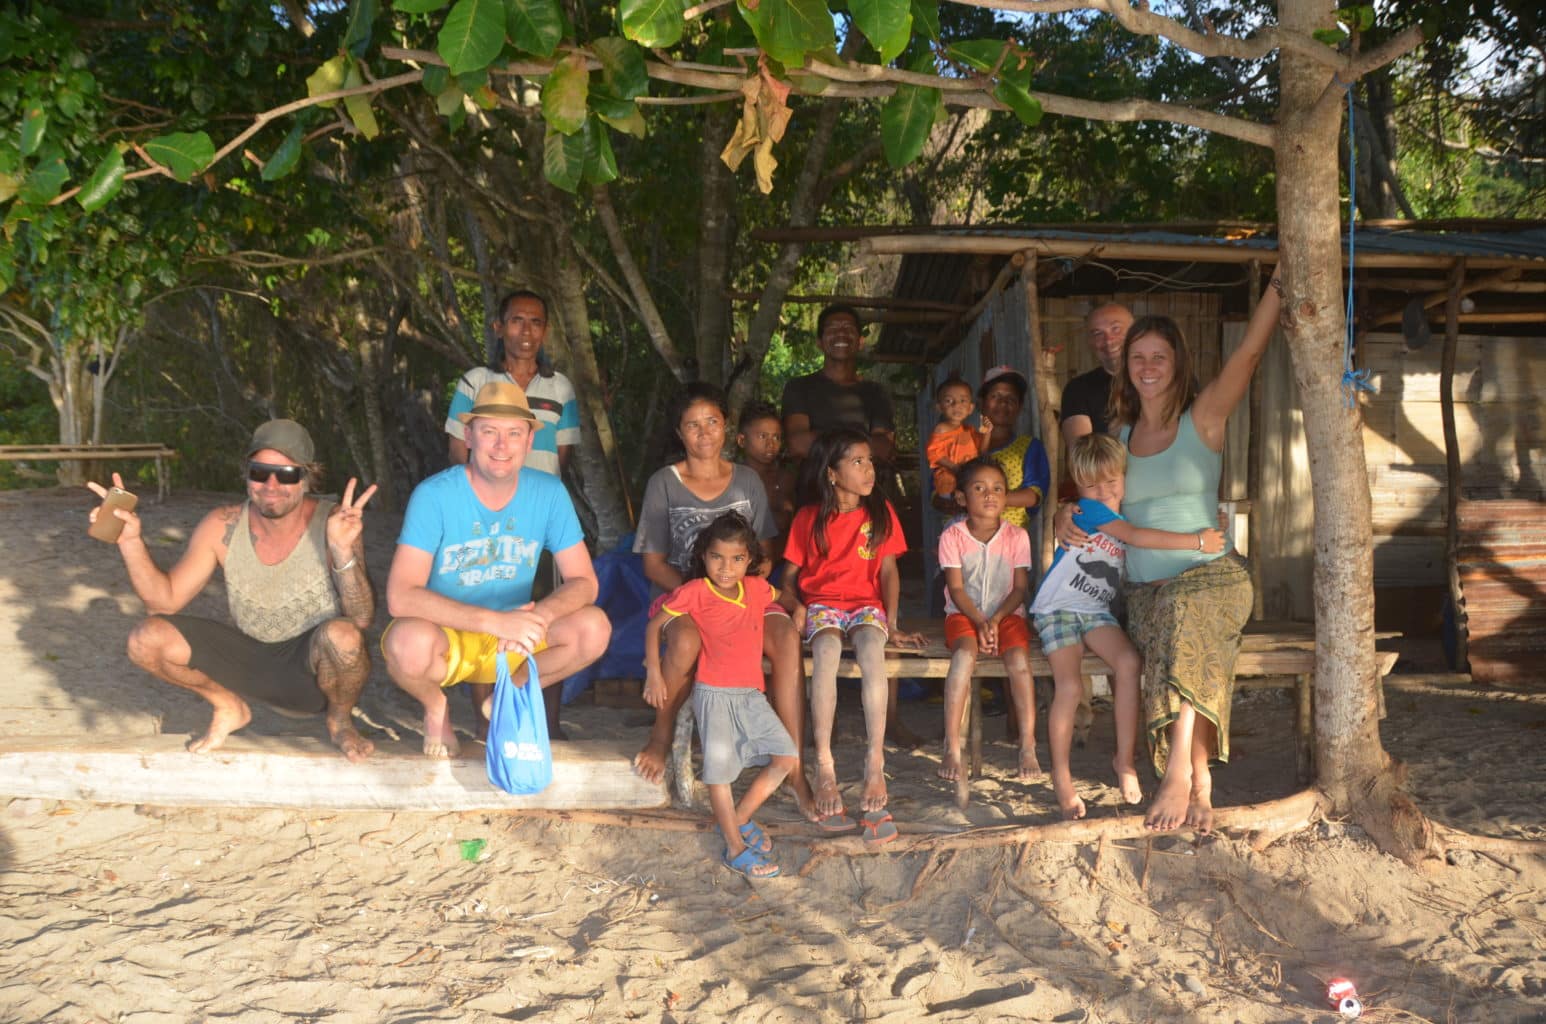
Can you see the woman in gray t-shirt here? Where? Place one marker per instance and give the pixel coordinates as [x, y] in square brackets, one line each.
[679, 501]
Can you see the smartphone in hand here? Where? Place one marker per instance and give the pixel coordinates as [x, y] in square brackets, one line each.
[108, 526]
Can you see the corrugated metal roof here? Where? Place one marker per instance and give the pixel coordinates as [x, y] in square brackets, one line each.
[1526, 244]
[948, 277]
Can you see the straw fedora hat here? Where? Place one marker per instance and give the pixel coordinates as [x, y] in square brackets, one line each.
[502, 400]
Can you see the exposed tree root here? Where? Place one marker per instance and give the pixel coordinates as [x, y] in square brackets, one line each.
[1273, 818]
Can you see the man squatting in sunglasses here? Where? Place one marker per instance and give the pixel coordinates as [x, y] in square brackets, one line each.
[295, 579]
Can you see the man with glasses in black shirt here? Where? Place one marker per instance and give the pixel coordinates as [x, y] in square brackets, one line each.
[294, 568]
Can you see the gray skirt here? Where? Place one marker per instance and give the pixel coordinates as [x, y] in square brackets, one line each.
[738, 729]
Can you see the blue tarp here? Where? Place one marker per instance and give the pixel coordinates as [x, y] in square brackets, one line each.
[625, 597]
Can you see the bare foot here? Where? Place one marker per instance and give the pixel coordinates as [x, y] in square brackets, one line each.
[1030, 767]
[439, 738]
[828, 800]
[1069, 801]
[900, 735]
[650, 763]
[804, 799]
[348, 739]
[227, 719]
[874, 796]
[1199, 809]
[1168, 811]
[950, 766]
[1127, 782]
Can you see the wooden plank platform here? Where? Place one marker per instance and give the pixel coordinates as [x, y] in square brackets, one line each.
[292, 771]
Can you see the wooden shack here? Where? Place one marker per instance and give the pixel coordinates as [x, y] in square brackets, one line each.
[1450, 320]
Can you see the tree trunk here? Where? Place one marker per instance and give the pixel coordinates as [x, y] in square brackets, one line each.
[716, 238]
[1352, 766]
[597, 459]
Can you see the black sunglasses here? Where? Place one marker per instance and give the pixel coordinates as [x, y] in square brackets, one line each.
[259, 472]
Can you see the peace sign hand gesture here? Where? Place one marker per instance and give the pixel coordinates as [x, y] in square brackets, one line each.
[346, 523]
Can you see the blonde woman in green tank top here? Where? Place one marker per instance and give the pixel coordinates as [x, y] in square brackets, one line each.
[1185, 609]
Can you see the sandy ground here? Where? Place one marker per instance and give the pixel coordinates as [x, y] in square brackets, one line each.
[139, 914]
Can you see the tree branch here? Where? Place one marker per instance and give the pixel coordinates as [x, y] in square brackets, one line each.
[1361, 64]
[1141, 21]
[258, 124]
[876, 82]
[659, 336]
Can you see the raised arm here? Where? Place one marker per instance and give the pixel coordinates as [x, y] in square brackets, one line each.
[346, 555]
[1215, 402]
[167, 593]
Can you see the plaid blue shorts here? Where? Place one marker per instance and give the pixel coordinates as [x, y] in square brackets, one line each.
[1064, 629]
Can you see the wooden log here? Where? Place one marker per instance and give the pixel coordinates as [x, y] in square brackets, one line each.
[1452, 459]
[261, 771]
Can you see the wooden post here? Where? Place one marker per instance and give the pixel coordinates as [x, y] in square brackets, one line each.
[1452, 480]
[1253, 461]
[1047, 398]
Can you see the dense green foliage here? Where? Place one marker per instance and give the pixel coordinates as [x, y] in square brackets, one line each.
[339, 262]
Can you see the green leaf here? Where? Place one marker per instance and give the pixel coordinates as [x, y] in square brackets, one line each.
[104, 182]
[905, 122]
[418, 6]
[449, 102]
[33, 124]
[1026, 107]
[435, 79]
[622, 66]
[535, 26]
[600, 163]
[328, 78]
[472, 35]
[564, 95]
[887, 24]
[284, 159]
[926, 17]
[605, 102]
[45, 180]
[358, 107]
[632, 123]
[183, 153]
[789, 29]
[652, 22]
[563, 159]
[9, 185]
[1359, 18]
[1330, 36]
[362, 15]
[983, 55]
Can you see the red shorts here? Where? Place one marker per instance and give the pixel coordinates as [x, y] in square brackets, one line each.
[1012, 631]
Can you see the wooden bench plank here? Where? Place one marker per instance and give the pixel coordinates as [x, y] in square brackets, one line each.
[92, 452]
[303, 772]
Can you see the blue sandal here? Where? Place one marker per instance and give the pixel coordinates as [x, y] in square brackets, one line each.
[747, 862]
[756, 839]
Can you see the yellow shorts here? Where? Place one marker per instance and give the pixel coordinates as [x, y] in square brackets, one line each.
[470, 656]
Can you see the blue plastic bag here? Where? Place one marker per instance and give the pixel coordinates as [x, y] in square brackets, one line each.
[517, 754]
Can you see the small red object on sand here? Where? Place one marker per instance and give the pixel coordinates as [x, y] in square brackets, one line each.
[1343, 998]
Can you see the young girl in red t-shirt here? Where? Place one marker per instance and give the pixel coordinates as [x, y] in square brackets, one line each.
[842, 580]
[736, 724]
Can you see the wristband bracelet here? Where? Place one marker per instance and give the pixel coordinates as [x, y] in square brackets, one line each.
[1199, 546]
[354, 558]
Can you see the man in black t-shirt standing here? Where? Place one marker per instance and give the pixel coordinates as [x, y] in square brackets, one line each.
[835, 396]
[1085, 397]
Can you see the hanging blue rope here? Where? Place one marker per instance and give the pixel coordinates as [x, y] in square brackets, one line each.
[1353, 381]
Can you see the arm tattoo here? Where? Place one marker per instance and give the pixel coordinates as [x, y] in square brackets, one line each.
[354, 590]
[229, 515]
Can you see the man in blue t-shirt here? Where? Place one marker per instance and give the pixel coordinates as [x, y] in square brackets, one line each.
[459, 590]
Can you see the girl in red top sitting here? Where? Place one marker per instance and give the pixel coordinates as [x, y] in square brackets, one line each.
[841, 559]
[736, 724]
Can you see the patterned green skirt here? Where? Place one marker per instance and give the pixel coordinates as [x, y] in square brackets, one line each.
[1188, 630]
